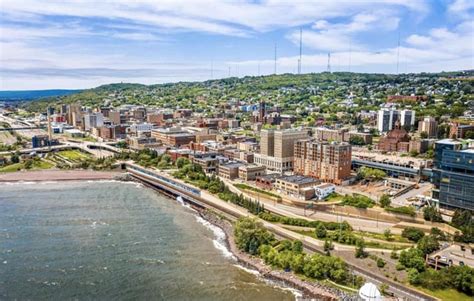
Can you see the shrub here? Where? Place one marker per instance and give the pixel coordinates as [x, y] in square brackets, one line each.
[430, 213]
[360, 250]
[321, 231]
[358, 200]
[412, 258]
[413, 234]
[384, 201]
[406, 210]
[380, 263]
[428, 244]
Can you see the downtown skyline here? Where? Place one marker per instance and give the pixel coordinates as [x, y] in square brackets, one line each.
[82, 44]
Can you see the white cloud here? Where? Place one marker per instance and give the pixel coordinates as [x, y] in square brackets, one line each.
[342, 36]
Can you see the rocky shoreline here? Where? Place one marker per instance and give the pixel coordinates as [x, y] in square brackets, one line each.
[310, 290]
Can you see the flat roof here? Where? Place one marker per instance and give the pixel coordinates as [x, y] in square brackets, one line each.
[298, 179]
[325, 185]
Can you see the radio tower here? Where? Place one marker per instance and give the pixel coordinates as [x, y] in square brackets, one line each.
[275, 66]
[398, 51]
[329, 62]
[301, 50]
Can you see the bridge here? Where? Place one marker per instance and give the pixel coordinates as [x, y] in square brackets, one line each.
[26, 128]
[390, 169]
[97, 149]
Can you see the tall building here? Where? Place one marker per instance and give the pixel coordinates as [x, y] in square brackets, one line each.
[453, 174]
[386, 119]
[276, 149]
[267, 142]
[93, 120]
[261, 111]
[327, 161]
[407, 118]
[429, 126]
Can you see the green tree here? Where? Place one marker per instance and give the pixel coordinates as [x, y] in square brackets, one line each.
[250, 235]
[469, 135]
[461, 218]
[356, 140]
[423, 135]
[385, 201]
[181, 161]
[320, 231]
[428, 244]
[15, 158]
[413, 234]
[297, 247]
[360, 249]
[412, 258]
[430, 213]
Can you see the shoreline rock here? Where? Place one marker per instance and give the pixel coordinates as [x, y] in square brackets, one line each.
[310, 290]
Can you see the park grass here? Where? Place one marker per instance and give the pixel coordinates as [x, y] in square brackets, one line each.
[446, 294]
[37, 165]
[12, 167]
[369, 244]
[257, 190]
[73, 155]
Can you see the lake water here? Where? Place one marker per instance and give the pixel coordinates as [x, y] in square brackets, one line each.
[113, 240]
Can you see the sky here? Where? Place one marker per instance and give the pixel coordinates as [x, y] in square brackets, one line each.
[80, 44]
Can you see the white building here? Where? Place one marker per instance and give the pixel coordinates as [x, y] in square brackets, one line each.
[322, 191]
[386, 119]
[93, 120]
[141, 127]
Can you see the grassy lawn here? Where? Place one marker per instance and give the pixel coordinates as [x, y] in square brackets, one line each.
[12, 167]
[395, 237]
[255, 189]
[447, 294]
[73, 155]
[369, 244]
[37, 165]
[334, 197]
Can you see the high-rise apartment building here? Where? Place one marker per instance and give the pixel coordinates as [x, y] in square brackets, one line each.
[327, 161]
[429, 126]
[386, 119]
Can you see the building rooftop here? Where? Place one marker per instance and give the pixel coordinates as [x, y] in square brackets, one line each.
[298, 179]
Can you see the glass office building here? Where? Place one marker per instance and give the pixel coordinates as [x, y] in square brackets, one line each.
[453, 174]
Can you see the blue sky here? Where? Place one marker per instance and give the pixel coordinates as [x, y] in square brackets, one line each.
[82, 44]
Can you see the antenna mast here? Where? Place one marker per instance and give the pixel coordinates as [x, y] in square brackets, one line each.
[398, 51]
[329, 62]
[275, 65]
[301, 50]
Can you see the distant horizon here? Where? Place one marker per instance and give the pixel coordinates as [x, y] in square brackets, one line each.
[69, 45]
[201, 81]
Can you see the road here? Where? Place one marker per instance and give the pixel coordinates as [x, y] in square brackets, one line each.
[356, 223]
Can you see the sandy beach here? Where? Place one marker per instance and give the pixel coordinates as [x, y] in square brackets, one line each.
[57, 175]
